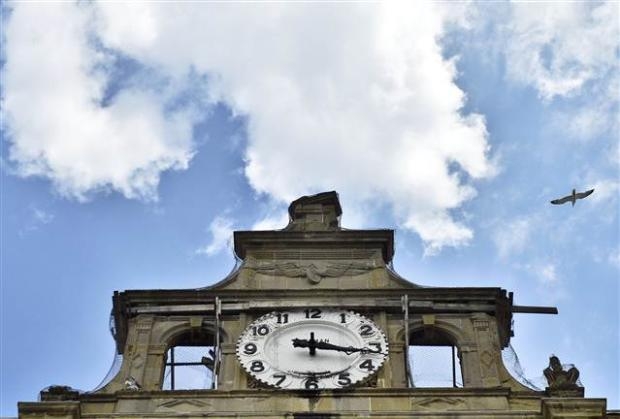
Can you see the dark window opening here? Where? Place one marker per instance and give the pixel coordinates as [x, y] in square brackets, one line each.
[433, 360]
[191, 362]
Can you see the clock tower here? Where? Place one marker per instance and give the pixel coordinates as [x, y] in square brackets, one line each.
[315, 323]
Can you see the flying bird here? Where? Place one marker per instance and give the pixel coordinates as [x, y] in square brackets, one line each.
[572, 197]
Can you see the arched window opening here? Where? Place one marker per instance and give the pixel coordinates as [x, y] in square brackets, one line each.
[191, 362]
[433, 359]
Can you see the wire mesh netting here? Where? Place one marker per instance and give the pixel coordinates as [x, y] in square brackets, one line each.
[537, 382]
[512, 364]
[112, 372]
[117, 361]
[189, 367]
[434, 366]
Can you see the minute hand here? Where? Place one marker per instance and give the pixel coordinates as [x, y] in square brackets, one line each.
[303, 343]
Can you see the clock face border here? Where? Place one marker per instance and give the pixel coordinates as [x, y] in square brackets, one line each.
[266, 352]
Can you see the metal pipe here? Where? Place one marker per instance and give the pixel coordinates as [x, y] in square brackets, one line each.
[172, 366]
[218, 351]
[405, 305]
[453, 368]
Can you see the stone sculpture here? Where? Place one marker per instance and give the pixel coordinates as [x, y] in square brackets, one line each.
[558, 377]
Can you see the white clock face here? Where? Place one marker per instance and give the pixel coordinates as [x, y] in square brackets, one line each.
[312, 349]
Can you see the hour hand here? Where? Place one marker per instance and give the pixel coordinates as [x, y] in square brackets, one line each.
[300, 343]
[306, 343]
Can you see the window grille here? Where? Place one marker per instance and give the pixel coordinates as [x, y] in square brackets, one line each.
[189, 367]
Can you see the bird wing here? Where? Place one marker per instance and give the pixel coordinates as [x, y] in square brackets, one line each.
[582, 195]
[561, 201]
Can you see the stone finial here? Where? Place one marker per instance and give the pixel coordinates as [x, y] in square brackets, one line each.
[320, 212]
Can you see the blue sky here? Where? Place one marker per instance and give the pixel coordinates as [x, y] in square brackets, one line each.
[137, 137]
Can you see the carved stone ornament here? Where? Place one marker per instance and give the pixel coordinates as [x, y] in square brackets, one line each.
[132, 384]
[561, 380]
[314, 271]
[439, 403]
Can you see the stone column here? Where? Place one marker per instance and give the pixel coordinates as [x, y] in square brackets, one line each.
[136, 351]
[488, 350]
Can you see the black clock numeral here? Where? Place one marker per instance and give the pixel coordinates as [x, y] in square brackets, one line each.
[343, 317]
[313, 313]
[367, 365]
[260, 330]
[282, 318]
[376, 345]
[344, 379]
[366, 330]
[257, 366]
[280, 377]
[249, 349]
[312, 383]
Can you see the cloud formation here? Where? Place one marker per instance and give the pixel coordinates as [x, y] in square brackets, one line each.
[559, 47]
[568, 50]
[37, 218]
[221, 231]
[54, 85]
[511, 238]
[346, 97]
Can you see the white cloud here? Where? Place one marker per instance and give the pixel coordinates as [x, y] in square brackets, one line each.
[37, 218]
[550, 283]
[221, 231]
[41, 217]
[347, 97]
[511, 238]
[275, 221]
[352, 97]
[547, 273]
[614, 258]
[54, 81]
[547, 279]
[558, 47]
[571, 51]
[606, 190]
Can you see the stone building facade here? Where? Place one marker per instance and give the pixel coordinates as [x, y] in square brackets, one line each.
[314, 266]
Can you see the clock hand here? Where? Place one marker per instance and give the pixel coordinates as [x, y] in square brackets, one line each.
[329, 346]
[306, 343]
[313, 345]
[346, 349]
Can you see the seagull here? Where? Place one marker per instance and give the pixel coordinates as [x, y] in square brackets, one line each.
[572, 197]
